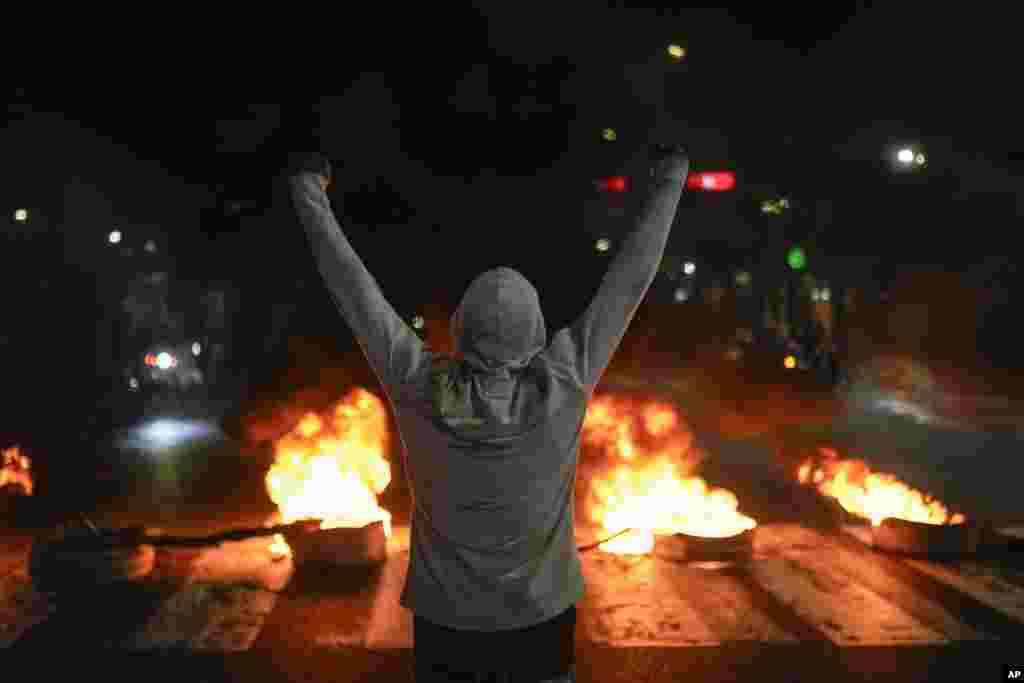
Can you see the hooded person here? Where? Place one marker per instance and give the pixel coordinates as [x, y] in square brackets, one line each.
[490, 438]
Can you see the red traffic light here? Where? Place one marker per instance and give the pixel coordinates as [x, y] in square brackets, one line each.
[717, 181]
[613, 184]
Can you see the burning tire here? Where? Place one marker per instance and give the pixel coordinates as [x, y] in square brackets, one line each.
[682, 547]
[346, 546]
[915, 538]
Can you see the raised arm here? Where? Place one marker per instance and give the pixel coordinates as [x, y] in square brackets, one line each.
[389, 344]
[592, 339]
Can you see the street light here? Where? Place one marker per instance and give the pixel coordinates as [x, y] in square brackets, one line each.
[603, 244]
[675, 51]
[609, 134]
[774, 206]
[908, 156]
[689, 268]
[21, 215]
[114, 237]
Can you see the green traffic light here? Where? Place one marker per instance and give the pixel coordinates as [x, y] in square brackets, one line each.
[796, 258]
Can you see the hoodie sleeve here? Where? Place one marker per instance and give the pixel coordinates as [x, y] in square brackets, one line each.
[592, 339]
[393, 350]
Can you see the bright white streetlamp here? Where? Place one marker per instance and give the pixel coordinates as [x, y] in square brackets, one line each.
[21, 215]
[689, 268]
[114, 237]
[603, 244]
[905, 156]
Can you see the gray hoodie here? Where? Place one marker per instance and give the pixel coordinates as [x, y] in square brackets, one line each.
[490, 437]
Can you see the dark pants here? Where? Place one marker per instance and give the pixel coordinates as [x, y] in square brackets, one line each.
[541, 653]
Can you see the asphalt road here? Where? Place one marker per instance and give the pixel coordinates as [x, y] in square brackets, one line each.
[811, 605]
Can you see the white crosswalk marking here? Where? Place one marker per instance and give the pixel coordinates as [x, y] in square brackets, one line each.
[1002, 589]
[220, 599]
[633, 601]
[848, 614]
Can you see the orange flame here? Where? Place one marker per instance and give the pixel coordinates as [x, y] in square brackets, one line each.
[14, 470]
[332, 467]
[871, 495]
[652, 494]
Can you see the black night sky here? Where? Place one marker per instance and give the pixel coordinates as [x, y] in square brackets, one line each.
[468, 138]
[450, 127]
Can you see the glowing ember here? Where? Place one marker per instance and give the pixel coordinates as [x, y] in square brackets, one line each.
[871, 495]
[653, 493]
[279, 548]
[14, 470]
[332, 467]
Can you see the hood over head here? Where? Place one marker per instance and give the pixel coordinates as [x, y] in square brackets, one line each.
[499, 326]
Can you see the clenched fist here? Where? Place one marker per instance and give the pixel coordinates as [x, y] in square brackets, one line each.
[669, 162]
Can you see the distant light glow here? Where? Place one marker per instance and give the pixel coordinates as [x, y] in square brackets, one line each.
[717, 181]
[613, 184]
[682, 295]
[689, 268]
[166, 432]
[920, 160]
[609, 134]
[417, 322]
[676, 51]
[826, 294]
[150, 246]
[789, 362]
[164, 360]
[114, 237]
[774, 206]
[743, 278]
[603, 244]
[21, 215]
[133, 383]
[796, 258]
[905, 156]
[162, 431]
[196, 348]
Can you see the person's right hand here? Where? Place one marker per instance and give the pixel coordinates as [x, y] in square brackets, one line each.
[669, 162]
[315, 163]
